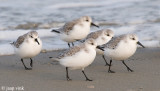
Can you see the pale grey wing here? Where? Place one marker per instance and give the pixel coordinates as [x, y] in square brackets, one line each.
[69, 52]
[93, 35]
[68, 26]
[20, 40]
[112, 44]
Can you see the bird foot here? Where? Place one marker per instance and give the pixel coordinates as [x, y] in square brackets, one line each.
[110, 71]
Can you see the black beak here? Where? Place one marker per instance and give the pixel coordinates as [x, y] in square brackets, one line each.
[140, 44]
[53, 30]
[37, 41]
[94, 25]
[101, 48]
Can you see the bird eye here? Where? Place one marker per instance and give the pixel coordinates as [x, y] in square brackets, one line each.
[31, 36]
[87, 20]
[133, 38]
[107, 34]
[92, 43]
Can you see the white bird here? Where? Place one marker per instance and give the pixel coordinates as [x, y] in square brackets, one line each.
[78, 57]
[121, 48]
[101, 37]
[75, 30]
[28, 46]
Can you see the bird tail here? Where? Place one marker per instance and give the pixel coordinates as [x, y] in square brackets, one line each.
[53, 30]
[12, 43]
[54, 59]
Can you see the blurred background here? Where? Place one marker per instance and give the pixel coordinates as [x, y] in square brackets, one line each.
[17, 17]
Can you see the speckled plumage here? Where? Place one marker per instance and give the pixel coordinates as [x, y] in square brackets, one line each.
[71, 51]
[75, 49]
[19, 40]
[69, 25]
[94, 35]
[112, 44]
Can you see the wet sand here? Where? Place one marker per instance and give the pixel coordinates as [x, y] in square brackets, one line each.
[50, 76]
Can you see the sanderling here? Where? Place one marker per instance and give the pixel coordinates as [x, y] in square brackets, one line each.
[121, 48]
[28, 46]
[101, 37]
[75, 30]
[78, 57]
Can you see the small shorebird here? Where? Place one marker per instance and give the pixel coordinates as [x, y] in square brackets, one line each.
[121, 48]
[75, 30]
[78, 57]
[101, 37]
[28, 46]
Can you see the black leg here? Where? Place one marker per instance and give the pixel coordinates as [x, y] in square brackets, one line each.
[31, 63]
[72, 44]
[25, 66]
[87, 79]
[105, 61]
[69, 45]
[127, 66]
[109, 70]
[67, 76]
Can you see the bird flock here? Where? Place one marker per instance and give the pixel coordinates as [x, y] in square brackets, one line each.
[80, 56]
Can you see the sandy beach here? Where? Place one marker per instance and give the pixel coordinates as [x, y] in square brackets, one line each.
[50, 76]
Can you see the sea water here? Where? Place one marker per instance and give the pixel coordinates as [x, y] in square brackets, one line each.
[17, 17]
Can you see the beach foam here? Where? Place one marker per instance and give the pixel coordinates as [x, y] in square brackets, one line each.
[51, 40]
[17, 17]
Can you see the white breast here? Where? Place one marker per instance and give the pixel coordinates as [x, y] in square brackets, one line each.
[29, 49]
[99, 51]
[102, 40]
